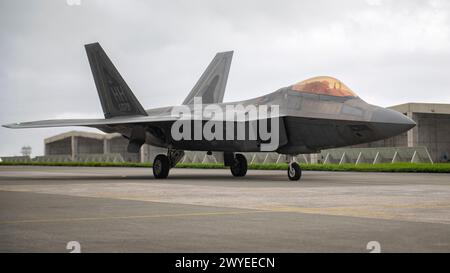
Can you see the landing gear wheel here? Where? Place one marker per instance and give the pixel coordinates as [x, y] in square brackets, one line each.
[161, 166]
[294, 171]
[239, 167]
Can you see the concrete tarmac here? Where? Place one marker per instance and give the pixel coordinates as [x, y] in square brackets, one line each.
[126, 210]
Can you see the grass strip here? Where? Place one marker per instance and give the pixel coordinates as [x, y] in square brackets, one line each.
[382, 167]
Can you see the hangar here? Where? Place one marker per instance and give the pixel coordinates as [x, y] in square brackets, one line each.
[92, 147]
[432, 130]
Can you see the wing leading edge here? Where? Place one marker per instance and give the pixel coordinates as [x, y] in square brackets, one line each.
[96, 123]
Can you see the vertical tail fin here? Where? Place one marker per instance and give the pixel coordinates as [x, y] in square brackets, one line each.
[116, 97]
[212, 83]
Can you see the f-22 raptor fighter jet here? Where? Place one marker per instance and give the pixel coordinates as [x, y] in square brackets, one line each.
[305, 117]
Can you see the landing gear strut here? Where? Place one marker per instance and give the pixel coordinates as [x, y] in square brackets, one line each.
[239, 166]
[294, 171]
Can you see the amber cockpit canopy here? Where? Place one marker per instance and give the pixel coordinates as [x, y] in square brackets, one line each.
[324, 86]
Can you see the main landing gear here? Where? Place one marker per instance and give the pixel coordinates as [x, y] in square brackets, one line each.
[163, 163]
[161, 166]
[239, 166]
[237, 162]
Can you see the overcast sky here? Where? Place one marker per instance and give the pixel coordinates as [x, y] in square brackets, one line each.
[388, 52]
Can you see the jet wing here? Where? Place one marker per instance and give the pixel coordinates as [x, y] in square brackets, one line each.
[96, 123]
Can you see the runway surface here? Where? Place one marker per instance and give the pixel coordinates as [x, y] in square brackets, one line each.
[126, 210]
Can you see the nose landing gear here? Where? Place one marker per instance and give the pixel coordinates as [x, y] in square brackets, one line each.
[294, 171]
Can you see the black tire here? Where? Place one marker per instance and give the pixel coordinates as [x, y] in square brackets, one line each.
[161, 167]
[239, 167]
[294, 171]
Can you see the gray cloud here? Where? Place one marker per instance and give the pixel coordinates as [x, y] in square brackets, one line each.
[389, 52]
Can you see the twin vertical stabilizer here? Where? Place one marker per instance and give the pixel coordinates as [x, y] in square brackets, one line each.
[116, 97]
[211, 85]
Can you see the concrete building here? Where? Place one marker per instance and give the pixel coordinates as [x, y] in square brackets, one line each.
[86, 146]
[94, 147]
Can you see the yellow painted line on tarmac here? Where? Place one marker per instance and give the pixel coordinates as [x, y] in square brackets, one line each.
[133, 217]
[385, 212]
[425, 205]
[364, 212]
[361, 212]
[152, 216]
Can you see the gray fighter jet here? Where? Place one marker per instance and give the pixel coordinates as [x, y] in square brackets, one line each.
[314, 114]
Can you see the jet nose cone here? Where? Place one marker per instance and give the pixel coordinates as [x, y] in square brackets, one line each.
[391, 122]
[409, 122]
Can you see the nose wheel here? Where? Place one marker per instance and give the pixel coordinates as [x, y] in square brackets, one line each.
[294, 171]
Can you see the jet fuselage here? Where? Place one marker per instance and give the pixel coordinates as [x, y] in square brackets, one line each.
[307, 123]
